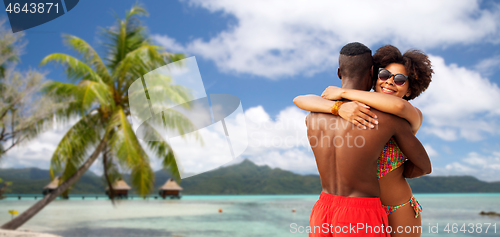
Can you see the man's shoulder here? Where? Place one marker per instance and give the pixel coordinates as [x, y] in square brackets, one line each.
[321, 121]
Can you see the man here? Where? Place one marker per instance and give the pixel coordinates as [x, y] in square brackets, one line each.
[346, 157]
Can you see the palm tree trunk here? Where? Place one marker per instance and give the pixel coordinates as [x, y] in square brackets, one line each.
[2, 190]
[33, 210]
[111, 192]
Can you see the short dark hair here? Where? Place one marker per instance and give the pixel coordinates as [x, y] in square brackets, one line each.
[355, 48]
[355, 60]
[416, 63]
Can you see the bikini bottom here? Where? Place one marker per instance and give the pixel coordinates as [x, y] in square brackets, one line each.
[413, 202]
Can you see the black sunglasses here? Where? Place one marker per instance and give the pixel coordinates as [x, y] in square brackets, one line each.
[399, 79]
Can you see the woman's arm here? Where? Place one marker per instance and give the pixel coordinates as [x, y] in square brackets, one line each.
[313, 103]
[355, 112]
[385, 103]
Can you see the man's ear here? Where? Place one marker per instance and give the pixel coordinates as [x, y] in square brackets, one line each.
[371, 72]
[339, 74]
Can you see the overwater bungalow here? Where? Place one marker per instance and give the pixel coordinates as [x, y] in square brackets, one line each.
[120, 189]
[170, 189]
[51, 186]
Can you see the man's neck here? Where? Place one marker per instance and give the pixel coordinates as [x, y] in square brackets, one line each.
[354, 84]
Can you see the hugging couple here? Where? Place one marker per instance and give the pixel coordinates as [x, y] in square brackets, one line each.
[364, 144]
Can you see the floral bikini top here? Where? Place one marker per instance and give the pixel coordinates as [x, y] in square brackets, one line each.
[390, 158]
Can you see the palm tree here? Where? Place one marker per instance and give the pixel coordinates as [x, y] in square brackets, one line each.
[99, 99]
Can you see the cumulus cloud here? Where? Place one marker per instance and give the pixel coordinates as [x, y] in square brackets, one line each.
[277, 39]
[431, 151]
[488, 66]
[38, 152]
[280, 142]
[483, 166]
[459, 103]
[287, 39]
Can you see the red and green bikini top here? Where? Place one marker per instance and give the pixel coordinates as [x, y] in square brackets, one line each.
[390, 158]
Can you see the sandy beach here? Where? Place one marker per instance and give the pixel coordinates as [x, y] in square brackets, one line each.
[23, 233]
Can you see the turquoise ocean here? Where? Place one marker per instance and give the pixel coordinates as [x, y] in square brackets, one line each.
[242, 215]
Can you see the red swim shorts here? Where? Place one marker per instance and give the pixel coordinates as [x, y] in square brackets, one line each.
[334, 215]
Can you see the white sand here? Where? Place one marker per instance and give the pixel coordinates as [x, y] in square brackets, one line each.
[23, 233]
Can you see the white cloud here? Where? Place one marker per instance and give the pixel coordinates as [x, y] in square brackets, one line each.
[38, 152]
[431, 151]
[459, 103]
[280, 142]
[488, 66]
[484, 167]
[283, 38]
[169, 44]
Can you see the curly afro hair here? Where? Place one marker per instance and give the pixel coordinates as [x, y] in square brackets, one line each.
[416, 63]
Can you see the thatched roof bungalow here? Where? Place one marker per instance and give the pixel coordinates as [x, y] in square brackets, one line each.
[170, 188]
[51, 186]
[120, 189]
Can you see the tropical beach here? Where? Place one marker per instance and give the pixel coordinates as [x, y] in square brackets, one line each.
[243, 215]
[178, 119]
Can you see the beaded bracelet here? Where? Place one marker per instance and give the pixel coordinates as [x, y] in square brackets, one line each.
[336, 107]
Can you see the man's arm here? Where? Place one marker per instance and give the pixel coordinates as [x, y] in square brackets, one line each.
[411, 147]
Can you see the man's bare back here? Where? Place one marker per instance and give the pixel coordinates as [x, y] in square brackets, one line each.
[346, 156]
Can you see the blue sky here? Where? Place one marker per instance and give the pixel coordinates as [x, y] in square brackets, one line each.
[268, 52]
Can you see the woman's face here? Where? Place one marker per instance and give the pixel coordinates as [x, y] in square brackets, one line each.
[389, 87]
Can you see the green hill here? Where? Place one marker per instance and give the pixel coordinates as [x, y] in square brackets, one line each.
[32, 181]
[248, 178]
[452, 184]
[242, 178]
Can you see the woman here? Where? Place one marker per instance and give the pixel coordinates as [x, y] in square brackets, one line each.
[399, 78]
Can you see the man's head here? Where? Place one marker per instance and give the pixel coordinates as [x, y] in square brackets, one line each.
[356, 66]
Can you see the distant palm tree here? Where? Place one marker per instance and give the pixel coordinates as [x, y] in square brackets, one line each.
[99, 99]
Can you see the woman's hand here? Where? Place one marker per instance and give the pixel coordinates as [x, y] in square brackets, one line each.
[359, 114]
[332, 93]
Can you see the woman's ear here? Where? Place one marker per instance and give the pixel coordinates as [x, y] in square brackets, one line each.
[408, 93]
[339, 74]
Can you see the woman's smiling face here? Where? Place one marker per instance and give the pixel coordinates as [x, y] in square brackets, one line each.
[389, 87]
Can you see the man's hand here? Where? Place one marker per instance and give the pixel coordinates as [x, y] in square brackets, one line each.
[359, 114]
[332, 93]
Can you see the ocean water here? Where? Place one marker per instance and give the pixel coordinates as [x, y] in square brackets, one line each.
[242, 215]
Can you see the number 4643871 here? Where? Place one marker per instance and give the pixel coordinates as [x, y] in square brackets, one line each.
[471, 228]
[32, 7]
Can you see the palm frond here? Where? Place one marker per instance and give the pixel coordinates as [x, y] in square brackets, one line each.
[167, 156]
[73, 147]
[129, 152]
[75, 69]
[126, 36]
[139, 62]
[90, 56]
[84, 94]
[142, 177]
[92, 92]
